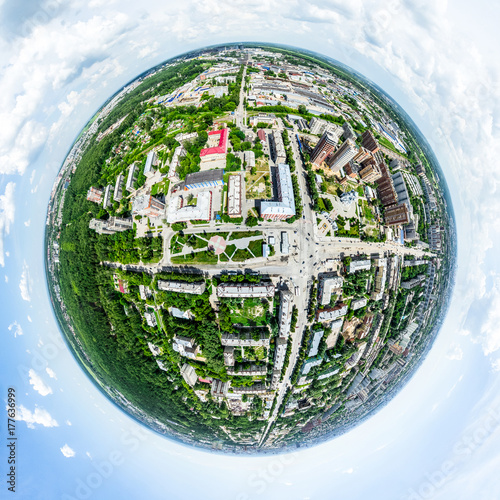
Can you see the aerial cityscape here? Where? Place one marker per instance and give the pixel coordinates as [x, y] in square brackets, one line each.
[250, 248]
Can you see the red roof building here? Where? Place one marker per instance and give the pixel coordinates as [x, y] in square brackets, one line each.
[262, 135]
[221, 141]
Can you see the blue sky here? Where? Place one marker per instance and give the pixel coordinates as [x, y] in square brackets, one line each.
[439, 438]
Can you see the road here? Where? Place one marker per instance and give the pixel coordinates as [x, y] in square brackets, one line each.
[308, 255]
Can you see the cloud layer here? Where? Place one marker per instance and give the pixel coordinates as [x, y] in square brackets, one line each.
[38, 384]
[38, 416]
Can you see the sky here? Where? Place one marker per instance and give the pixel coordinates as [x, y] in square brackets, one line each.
[439, 437]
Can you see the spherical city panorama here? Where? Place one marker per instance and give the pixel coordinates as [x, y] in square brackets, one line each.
[250, 248]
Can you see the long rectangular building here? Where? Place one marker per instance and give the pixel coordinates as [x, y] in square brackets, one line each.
[284, 208]
[285, 313]
[209, 178]
[234, 195]
[193, 287]
[244, 339]
[331, 313]
[245, 290]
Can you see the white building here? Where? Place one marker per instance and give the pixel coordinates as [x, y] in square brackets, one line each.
[284, 208]
[189, 374]
[178, 154]
[180, 211]
[331, 313]
[359, 265]
[195, 287]
[245, 290]
[313, 350]
[150, 318]
[327, 286]
[358, 303]
[249, 158]
[234, 195]
[150, 163]
[348, 198]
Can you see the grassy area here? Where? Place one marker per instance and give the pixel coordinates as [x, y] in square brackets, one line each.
[230, 250]
[160, 188]
[258, 181]
[367, 212]
[175, 245]
[211, 235]
[352, 232]
[206, 257]
[256, 247]
[244, 234]
[242, 255]
[251, 312]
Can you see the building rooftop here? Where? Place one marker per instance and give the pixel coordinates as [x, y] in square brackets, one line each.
[286, 201]
[201, 177]
[178, 212]
[221, 147]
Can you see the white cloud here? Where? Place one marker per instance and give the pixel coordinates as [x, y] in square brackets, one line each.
[7, 212]
[348, 471]
[27, 223]
[67, 451]
[25, 283]
[37, 417]
[455, 352]
[50, 59]
[16, 327]
[68, 423]
[88, 454]
[50, 372]
[29, 319]
[489, 332]
[38, 384]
